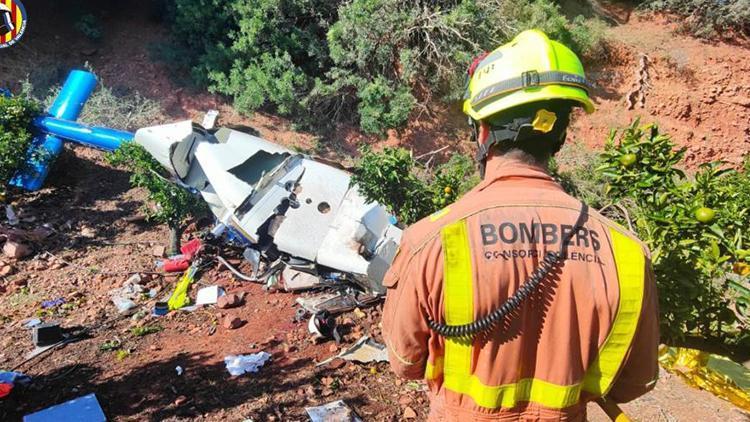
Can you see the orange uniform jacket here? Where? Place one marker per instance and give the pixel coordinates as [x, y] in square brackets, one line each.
[544, 362]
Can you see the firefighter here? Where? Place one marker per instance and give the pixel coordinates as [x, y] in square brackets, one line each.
[518, 301]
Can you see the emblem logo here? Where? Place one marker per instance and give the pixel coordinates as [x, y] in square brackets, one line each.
[13, 20]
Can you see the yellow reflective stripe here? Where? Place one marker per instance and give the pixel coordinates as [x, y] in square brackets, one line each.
[459, 309]
[433, 370]
[631, 264]
[458, 295]
[534, 390]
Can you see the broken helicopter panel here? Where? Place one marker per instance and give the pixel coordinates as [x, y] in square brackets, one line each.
[278, 202]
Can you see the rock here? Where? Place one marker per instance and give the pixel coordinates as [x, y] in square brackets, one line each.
[88, 232]
[179, 401]
[337, 363]
[16, 250]
[20, 282]
[230, 322]
[6, 270]
[409, 413]
[229, 301]
[742, 101]
[159, 251]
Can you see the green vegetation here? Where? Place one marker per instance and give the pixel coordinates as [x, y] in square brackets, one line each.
[145, 330]
[695, 226]
[372, 62]
[171, 204]
[16, 114]
[410, 190]
[708, 18]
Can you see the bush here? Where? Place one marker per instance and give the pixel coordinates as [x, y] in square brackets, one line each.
[366, 61]
[171, 204]
[409, 190]
[708, 18]
[695, 228]
[126, 111]
[16, 114]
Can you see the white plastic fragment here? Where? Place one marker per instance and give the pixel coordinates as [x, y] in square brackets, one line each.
[208, 295]
[241, 364]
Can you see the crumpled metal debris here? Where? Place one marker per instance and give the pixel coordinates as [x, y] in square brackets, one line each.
[716, 374]
[365, 350]
[336, 411]
[278, 203]
[335, 302]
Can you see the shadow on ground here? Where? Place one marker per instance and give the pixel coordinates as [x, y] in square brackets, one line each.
[155, 390]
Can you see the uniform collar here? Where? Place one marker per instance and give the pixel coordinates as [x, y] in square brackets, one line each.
[502, 168]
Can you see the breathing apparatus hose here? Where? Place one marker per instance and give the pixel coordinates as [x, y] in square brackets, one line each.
[548, 263]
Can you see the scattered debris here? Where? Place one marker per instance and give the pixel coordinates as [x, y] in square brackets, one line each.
[16, 250]
[10, 380]
[84, 408]
[323, 327]
[182, 262]
[336, 302]
[52, 303]
[179, 297]
[365, 350]
[159, 251]
[232, 322]
[46, 334]
[209, 295]
[229, 301]
[125, 297]
[161, 308]
[179, 370]
[10, 215]
[337, 411]
[241, 364]
[33, 322]
[293, 280]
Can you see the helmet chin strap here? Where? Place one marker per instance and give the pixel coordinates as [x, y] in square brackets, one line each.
[510, 132]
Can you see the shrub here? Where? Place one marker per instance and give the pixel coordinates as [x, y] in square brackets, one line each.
[390, 178]
[366, 61]
[410, 191]
[16, 114]
[171, 204]
[708, 18]
[123, 111]
[695, 228]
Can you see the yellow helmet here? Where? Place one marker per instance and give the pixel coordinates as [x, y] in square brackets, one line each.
[528, 69]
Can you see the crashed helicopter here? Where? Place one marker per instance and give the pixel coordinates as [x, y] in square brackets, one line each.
[287, 209]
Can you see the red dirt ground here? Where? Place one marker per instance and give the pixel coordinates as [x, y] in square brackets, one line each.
[100, 247]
